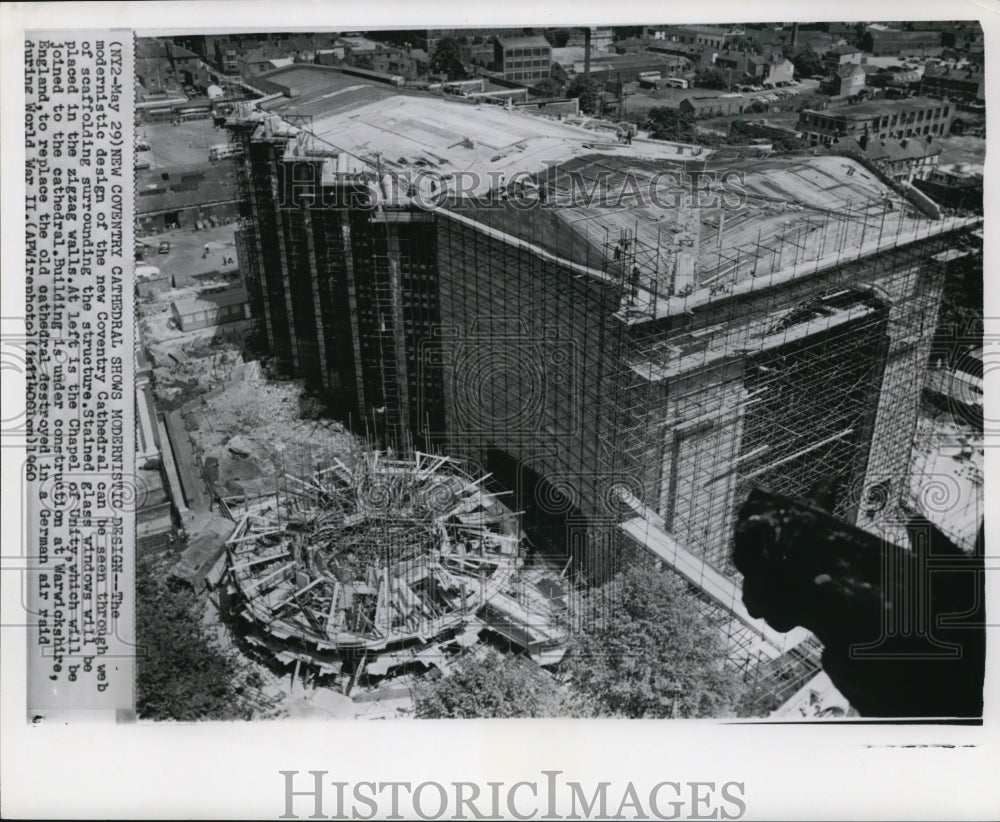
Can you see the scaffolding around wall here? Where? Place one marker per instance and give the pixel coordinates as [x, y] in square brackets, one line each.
[633, 394]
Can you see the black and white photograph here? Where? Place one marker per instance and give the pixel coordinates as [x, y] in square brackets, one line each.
[626, 379]
[591, 371]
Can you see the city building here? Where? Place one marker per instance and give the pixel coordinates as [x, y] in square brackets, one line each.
[841, 56]
[771, 68]
[714, 37]
[849, 80]
[893, 78]
[164, 65]
[957, 185]
[965, 84]
[210, 309]
[894, 43]
[429, 39]
[700, 56]
[713, 105]
[622, 68]
[628, 368]
[882, 119]
[525, 59]
[903, 160]
[186, 196]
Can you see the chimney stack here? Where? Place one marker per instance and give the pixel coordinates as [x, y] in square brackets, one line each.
[586, 51]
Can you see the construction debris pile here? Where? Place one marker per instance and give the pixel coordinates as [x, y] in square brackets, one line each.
[352, 562]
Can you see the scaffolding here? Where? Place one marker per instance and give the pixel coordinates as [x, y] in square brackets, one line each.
[632, 374]
[391, 554]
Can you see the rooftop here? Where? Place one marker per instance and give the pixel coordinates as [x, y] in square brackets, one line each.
[954, 72]
[533, 41]
[184, 186]
[849, 69]
[894, 34]
[208, 301]
[780, 212]
[717, 30]
[878, 108]
[844, 50]
[612, 62]
[910, 149]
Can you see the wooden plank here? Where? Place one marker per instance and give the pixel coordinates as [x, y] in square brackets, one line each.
[249, 562]
[333, 618]
[382, 603]
[239, 529]
[295, 594]
[251, 536]
[258, 583]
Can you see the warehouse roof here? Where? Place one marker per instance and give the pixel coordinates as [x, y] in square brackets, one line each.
[533, 41]
[183, 186]
[890, 35]
[907, 149]
[210, 302]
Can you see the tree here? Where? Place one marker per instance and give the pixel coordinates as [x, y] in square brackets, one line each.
[496, 687]
[711, 78]
[626, 32]
[558, 38]
[667, 123]
[646, 651]
[589, 92]
[548, 88]
[808, 63]
[447, 59]
[180, 674]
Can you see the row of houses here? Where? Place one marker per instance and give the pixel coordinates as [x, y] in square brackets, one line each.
[161, 64]
[250, 55]
[881, 120]
[878, 40]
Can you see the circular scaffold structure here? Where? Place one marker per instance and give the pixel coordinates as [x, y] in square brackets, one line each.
[354, 562]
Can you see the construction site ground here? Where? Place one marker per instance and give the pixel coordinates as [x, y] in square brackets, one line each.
[947, 480]
[186, 261]
[181, 143]
[249, 433]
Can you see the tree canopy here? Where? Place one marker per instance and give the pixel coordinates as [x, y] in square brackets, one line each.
[557, 38]
[646, 651]
[495, 687]
[548, 87]
[667, 123]
[643, 649]
[711, 78]
[588, 90]
[181, 675]
[807, 63]
[447, 59]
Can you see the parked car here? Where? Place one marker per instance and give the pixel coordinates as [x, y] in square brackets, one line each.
[164, 247]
